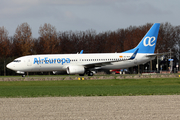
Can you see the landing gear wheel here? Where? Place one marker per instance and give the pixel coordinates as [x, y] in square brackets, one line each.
[90, 74]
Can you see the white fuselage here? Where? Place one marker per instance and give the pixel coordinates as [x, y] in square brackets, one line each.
[60, 62]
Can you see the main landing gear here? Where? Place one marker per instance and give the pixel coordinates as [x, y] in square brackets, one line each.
[89, 73]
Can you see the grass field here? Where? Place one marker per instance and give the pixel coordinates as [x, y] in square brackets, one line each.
[128, 87]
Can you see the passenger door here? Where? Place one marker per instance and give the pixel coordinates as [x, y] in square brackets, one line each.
[29, 62]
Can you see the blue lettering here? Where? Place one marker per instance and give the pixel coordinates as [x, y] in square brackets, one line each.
[58, 60]
[51, 61]
[68, 60]
[42, 60]
[39, 60]
[55, 60]
[63, 61]
[46, 61]
[35, 60]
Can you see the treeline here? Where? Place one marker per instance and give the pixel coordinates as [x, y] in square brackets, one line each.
[51, 41]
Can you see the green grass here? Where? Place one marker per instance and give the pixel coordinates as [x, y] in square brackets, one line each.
[158, 86]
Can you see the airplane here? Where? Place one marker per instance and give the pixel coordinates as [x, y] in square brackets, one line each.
[84, 63]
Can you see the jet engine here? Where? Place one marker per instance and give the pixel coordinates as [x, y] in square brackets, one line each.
[75, 70]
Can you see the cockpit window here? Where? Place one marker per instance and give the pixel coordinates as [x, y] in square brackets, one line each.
[17, 61]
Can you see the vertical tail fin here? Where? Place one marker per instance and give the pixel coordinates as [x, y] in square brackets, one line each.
[148, 43]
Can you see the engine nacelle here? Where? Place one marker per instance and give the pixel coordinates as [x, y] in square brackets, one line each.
[75, 70]
[19, 72]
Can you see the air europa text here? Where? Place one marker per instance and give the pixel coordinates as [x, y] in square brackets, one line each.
[47, 60]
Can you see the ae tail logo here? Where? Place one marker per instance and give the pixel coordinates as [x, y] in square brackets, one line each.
[148, 41]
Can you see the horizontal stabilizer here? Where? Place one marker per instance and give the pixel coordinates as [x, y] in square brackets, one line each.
[158, 54]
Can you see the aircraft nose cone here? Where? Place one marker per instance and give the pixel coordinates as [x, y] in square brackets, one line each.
[9, 66]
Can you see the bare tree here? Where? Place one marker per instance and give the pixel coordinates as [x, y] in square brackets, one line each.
[23, 41]
[48, 39]
[4, 42]
[5, 46]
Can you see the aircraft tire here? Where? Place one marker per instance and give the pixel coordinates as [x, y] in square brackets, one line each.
[90, 74]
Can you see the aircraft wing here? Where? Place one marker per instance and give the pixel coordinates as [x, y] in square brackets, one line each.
[99, 64]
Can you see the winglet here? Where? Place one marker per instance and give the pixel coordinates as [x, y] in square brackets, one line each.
[134, 54]
[81, 52]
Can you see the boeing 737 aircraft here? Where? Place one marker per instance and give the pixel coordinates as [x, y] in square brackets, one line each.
[84, 63]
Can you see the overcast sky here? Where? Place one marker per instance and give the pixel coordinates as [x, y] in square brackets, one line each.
[99, 15]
